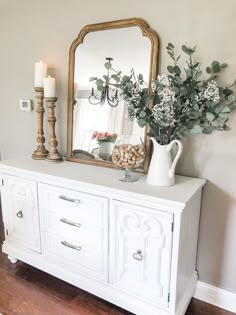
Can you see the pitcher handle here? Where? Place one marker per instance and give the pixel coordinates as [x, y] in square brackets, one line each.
[180, 149]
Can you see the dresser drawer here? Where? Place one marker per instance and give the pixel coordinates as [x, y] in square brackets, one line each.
[85, 209]
[91, 238]
[77, 255]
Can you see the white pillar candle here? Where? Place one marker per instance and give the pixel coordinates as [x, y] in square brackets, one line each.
[49, 87]
[40, 73]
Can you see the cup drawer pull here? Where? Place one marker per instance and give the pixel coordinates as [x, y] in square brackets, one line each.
[138, 255]
[70, 222]
[20, 214]
[69, 199]
[71, 245]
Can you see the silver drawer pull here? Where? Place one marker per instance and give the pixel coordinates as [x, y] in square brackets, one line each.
[20, 214]
[138, 255]
[71, 245]
[70, 222]
[69, 199]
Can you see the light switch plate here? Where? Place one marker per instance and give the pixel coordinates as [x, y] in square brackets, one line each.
[26, 105]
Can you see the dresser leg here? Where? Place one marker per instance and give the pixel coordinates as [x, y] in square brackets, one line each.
[12, 259]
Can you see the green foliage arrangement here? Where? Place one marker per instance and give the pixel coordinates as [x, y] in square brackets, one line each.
[180, 102]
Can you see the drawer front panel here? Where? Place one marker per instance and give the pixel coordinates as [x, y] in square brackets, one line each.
[92, 238]
[141, 256]
[75, 254]
[21, 215]
[88, 210]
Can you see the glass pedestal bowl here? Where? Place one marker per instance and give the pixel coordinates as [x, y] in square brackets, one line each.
[128, 153]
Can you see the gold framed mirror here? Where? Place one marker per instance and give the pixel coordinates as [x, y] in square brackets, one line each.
[131, 44]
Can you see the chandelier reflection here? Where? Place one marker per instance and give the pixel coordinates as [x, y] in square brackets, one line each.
[108, 94]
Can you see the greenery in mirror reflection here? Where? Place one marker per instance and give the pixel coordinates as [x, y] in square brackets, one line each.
[178, 103]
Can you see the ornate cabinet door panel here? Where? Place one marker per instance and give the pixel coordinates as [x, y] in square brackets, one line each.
[141, 254]
[21, 212]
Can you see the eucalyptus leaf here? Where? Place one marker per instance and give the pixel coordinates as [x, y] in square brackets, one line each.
[197, 75]
[115, 77]
[187, 50]
[215, 65]
[140, 77]
[177, 70]
[226, 109]
[208, 70]
[115, 85]
[108, 65]
[210, 116]
[232, 107]
[170, 45]
[196, 130]
[226, 128]
[231, 98]
[170, 69]
[224, 115]
[141, 123]
[99, 82]
[208, 130]
[227, 91]
[223, 65]
[142, 114]
[92, 79]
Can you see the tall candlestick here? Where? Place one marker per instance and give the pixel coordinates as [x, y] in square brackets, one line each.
[40, 153]
[40, 73]
[49, 87]
[53, 155]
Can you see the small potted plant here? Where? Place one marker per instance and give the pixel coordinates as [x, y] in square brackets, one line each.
[106, 142]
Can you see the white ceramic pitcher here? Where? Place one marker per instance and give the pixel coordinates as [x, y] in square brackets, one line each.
[162, 169]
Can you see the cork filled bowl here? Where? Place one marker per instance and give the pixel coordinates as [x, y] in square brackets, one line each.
[128, 153]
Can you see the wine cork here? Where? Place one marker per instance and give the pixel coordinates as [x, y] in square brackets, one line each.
[128, 155]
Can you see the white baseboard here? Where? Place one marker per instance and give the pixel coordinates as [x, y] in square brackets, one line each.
[216, 296]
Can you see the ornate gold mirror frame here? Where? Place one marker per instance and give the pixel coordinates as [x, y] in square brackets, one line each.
[146, 31]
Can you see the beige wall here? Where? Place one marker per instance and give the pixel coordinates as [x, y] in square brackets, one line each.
[31, 30]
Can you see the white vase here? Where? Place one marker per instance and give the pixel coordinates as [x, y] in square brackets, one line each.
[105, 150]
[162, 169]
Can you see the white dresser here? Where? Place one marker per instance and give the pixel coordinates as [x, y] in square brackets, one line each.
[129, 243]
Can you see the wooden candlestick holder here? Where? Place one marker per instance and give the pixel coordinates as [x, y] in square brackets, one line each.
[40, 153]
[53, 155]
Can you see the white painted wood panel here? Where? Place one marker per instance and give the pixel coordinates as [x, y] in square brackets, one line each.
[110, 238]
[21, 217]
[141, 251]
[87, 209]
[83, 260]
[102, 180]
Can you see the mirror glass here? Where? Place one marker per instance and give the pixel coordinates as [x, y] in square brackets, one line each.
[95, 125]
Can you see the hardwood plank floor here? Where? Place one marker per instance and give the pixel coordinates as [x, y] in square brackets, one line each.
[25, 290]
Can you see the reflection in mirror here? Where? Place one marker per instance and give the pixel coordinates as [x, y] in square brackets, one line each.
[128, 49]
[97, 114]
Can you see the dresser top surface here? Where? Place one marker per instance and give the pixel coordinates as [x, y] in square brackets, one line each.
[106, 179]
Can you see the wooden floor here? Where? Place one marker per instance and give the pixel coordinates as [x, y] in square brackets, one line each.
[25, 290]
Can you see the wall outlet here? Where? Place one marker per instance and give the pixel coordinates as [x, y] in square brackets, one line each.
[26, 105]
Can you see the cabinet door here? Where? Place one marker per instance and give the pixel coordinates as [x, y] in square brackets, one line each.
[20, 208]
[141, 245]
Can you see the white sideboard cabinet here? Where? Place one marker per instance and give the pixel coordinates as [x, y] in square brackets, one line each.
[131, 244]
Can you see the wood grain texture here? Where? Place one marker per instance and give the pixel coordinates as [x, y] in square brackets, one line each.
[40, 153]
[25, 290]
